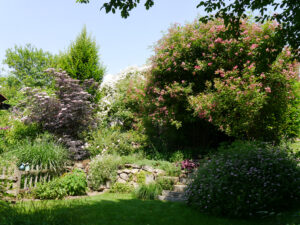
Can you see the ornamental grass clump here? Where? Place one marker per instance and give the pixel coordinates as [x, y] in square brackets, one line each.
[246, 179]
[43, 151]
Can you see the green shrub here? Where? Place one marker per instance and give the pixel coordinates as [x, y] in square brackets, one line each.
[70, 184]
[20, 131]
[75, 182]
[113, 140]
[246, 179]
[50, 190]
[165, 183]
[121, 188]
[103, 168]
[42, 151]
[147, 191]
[141, 177]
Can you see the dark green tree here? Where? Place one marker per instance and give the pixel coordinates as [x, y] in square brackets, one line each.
[81, 61]
[28, 63]
[232, 13]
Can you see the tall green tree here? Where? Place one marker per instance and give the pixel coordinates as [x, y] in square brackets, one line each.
[232, 12]
[28, 63]
[81, 61]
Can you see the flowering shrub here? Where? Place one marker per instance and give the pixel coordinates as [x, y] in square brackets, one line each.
[103, 168]
[115, 141]
[202, 79]
[120, 129]
[246, 179]
[69, 112]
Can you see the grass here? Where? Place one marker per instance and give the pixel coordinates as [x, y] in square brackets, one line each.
[122, 209]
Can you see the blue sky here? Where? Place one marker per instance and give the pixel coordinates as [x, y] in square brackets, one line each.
[53, 24]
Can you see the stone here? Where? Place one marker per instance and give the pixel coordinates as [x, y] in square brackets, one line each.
[127, 171]
[159, 172]
[119, 180]
[148, 169]
[120, 171]
[135, 171]
[149, 178]
[124, 176]
[134, 166]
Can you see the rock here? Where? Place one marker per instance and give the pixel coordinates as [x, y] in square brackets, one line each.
[127, 171]
[108, 184]
[135, 171]
[102, 187]
[149, 178]
[119, 180]
[134, 184]
[159, 172]
[124, 176]
[133, 166]
[120, 171]
[148, 169]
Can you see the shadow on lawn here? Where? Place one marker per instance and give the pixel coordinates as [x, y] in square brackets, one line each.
[93, 211]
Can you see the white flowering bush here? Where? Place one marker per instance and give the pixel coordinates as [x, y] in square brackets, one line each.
[120, 130]
[114, 90]
[246, 179]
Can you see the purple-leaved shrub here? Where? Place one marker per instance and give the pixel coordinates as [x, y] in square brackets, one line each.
[66, 113]
[246, 179]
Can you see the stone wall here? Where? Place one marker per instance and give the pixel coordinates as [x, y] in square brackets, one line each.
[135, 174]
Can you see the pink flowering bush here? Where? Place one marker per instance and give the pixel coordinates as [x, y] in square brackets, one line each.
[204, 82]
[246, 179]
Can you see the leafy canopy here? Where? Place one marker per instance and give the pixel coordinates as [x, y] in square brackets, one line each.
[28, 64]
[232, 13]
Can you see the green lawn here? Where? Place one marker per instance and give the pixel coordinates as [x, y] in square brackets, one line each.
[122, 209]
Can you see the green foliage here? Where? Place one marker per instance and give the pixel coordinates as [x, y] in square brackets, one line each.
[147, 191]
[43, 150]
[10, 87]
[165, 183]
[121, 188]
[75, 182]
[50, 190]
[246, 179]
[114, 141]
[141, 177]
[81, 61]
[20, 132]
[28, 64]
[177, 156]
[194, 94]
[232, 14]
[103, 168]
[70, 184]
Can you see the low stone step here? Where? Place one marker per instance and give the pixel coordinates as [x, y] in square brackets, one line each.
[172, 196]
[174, 179]
[179, 187]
